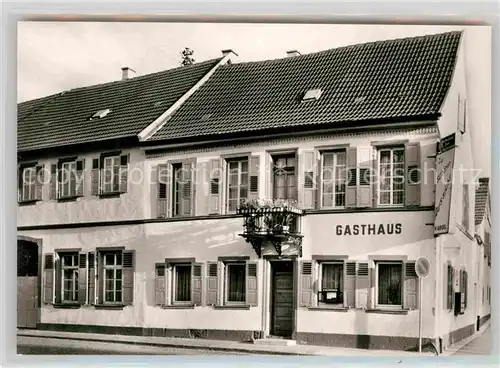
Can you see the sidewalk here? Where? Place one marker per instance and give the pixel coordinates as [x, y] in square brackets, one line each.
[219, 345]
[455, 348]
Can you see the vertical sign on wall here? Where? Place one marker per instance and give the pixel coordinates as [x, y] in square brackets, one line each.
[444, 176]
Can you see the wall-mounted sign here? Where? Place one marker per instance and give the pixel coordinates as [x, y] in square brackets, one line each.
[369, 229]
[422, 267]
[444, 177]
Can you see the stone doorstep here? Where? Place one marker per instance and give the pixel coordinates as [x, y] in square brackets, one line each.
[275, 342]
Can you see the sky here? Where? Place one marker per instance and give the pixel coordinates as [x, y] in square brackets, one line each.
[58, 56]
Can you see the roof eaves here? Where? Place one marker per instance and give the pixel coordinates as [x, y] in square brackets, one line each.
[156, 125]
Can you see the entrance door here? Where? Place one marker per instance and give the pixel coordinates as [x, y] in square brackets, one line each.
[282, 306]
[27, 284]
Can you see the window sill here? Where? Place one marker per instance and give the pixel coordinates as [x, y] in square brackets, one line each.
[332, 309]
[27, 203]
[111, 194]
[229, 306]
[109, 306]
[67, 305]
[68, 199]
[189, 306]
[388, 311]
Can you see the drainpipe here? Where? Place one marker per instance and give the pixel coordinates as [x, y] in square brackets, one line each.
[264, 297]
[439, 298]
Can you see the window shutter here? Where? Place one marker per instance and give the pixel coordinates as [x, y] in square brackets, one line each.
[214, 196]
[40, 178]
[349, 284]
[410, 286]
[364, 191]
[80, 177]
[212, 283]
[92, 274]
[82, 278]
[95, 190]
[48, 279]
[128, 276]
[352, 178]
[160, 284]
[465, 213]
[362, 285]
[253, 177]
[412, 169]
[53, 182]
[308, 183]
[252, 284]
[19, 184]
[306, 284]
[57, 278]
[187, 185]
[124, 161]
[100, 278]
[196, 284]
[163, 190]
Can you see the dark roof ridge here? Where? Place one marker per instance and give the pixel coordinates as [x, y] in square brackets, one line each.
[355, 45]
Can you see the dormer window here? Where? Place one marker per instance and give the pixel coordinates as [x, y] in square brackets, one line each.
[312, 95]
[100, 114]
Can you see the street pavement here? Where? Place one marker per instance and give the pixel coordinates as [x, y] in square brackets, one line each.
[27, 345]
[481, 345]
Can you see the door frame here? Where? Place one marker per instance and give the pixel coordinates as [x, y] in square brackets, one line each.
[39, 243]
[268, 306]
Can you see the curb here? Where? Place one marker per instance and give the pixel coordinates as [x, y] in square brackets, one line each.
[170, 345]
[460, 344]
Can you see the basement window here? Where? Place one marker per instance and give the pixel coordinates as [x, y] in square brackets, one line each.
[100, 114]
[312, 94]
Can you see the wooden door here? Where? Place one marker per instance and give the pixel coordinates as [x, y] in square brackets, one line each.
[282, 301]
[27, 310]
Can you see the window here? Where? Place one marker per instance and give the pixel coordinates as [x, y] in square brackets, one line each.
[28, 186]
[235, 282]
[182, 283]
[391, 176]
[237, 183]
[113, 277]
[68, 179]
[449, 290]
[284, 177]
[333, 179]
[111, 178]
[69, 277]
[331, 283]
[389, 284]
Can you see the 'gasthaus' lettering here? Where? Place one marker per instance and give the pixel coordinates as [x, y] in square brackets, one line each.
[369, 229]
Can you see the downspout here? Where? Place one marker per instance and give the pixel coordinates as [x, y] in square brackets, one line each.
[264, 298]
[438, 300]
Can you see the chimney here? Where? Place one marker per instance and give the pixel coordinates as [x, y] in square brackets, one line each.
[127, 73]
[291, 53]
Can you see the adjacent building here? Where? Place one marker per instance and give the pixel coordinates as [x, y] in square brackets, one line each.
[245, 201]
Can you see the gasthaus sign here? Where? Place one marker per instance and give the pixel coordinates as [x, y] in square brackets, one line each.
[369, 229]
[444, 178]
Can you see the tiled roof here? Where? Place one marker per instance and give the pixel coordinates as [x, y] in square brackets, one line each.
[481, 200]
[397, 78]
[63, 119]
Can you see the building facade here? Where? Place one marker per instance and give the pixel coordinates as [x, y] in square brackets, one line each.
[345, 143]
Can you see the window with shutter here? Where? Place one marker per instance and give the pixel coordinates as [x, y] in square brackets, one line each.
[30, 187]
[333, 178]
[69, 277]
[331, 283]
[284, 177]
[113, 178]
[389, 284]
[215, 175]
[238, 183]
[391, 186]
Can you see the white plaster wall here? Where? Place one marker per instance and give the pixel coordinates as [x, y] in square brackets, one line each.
[415, 240]
[88, 208]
